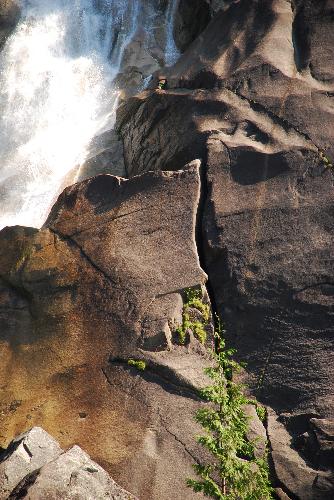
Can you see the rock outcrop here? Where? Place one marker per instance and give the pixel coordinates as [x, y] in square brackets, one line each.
[34, 466]
[25, 454]
[293, 469]
[253, 98]
[102, 283]
[9, 15]
[105, 156]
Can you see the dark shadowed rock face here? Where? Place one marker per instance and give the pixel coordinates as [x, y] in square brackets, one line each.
[105, 156]
[280, 58]
[292, 468]
[103, 280]
[9, 15]
[192, 16]
[262, 122]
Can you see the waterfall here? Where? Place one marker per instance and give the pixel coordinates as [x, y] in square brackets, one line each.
[172, 53]
[56, 93]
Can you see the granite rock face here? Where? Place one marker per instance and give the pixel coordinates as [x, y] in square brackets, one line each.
[192, 16]
[102, 283]
[300, 475]
[9, 15]
[105, 156]
[246, 99]
[267, 193]
[34, 466]
[25, 454]
[274, 53]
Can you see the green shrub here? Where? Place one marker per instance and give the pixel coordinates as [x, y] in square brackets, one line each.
[181, 334]
[328, 164]
[261, 412]
[199, 331]
[193, 299]
[138, 364]
[233, 473]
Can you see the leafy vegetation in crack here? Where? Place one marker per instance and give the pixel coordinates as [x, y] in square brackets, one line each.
[328, 164]
[194, 301]
[261, 412]
[138, 364]
[234, 472]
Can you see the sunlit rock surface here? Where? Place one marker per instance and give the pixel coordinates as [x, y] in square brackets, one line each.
[24, 455]
[34, 466]
[252, 97]
[102, 281]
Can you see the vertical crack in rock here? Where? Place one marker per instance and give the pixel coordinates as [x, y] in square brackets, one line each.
[199, 231]
[200, 242]
[25, 446]
[184, 446]
[133, 394]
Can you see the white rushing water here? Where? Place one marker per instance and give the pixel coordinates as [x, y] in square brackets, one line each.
[171, 51]
[56, 93]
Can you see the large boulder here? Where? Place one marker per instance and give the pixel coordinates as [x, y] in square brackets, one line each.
[34, 466]
[266, 221]
[25, 454]
[276, 54]
[293, 470]
[71, 476]
[101, 283]
[9, 15]
[261, 124]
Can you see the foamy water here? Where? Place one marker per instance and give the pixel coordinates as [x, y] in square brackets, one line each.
[56, 93]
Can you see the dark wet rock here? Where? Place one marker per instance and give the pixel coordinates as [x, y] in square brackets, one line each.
[105, 156]
[9, 15]
[192, 16]
[150, 124]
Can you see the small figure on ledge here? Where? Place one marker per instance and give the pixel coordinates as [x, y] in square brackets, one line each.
[162, 83]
